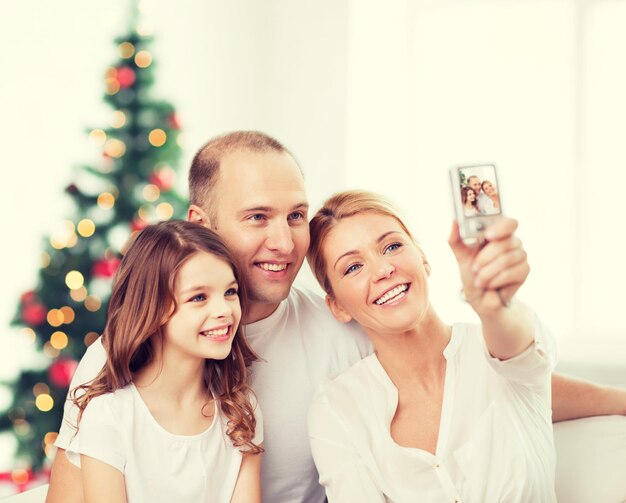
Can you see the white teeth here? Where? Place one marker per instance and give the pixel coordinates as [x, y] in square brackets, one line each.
[216, 333]
[392, 294]
[273, 267]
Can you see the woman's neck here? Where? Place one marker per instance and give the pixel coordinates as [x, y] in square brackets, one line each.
[416, 353]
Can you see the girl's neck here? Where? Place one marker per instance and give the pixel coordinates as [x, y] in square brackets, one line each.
[178, 379]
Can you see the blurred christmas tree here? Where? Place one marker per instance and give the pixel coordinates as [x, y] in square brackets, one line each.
[130, 186]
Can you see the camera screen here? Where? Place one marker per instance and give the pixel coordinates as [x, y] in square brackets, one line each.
[479, 190]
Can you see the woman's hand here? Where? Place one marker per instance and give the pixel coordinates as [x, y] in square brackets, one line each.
[493, 272]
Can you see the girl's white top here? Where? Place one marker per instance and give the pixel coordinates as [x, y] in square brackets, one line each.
[495, 439]
[159, 466]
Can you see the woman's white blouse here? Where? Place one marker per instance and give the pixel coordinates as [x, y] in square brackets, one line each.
[159, 466]
[495, 439]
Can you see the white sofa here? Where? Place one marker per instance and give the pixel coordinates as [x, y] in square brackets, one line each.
[591, 463]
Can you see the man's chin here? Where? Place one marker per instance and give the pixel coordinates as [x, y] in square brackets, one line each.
[270, 295]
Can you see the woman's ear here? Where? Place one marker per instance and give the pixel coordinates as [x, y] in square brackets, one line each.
[425, 262]
[340, 314]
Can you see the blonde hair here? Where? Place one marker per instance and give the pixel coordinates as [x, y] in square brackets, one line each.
[336, 208]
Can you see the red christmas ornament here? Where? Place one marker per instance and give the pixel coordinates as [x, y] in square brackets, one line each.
[34, 313]
[105, 267]
[125, 76]
[164, 178]
[173, 121]
[28, 297]
[61, 372]
[138, 224]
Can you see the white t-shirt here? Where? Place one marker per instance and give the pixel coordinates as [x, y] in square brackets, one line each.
[495, 439]
[159, 466]
[300, 344]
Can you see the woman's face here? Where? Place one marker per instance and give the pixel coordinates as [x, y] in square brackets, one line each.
[378, 276]
[489, 189]
[471, 196]
[208, 310]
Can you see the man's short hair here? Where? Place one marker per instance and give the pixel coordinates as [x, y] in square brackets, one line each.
[205, 167]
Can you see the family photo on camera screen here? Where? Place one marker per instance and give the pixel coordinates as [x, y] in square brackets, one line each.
[479, 191]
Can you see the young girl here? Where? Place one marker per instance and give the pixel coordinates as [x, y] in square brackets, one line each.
[438, 412]
[470, 203]
[171, 417]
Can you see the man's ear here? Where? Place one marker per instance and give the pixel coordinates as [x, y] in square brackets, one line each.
[198, 215]
[340, 314]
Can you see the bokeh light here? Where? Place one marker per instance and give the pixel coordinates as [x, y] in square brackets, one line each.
[98, 136]
[55, 318]
[68, 314]
[151, 192]
[59, 340]
[164, 211]
[118, 119]
[44, 402]
[143, 59]
[115, 148]
[90, 338]
[86, 227]
[106, 200]
[157, 137]
[74, 280]
[40, 388]
[92, 303]
[79, 294]
[126, 50]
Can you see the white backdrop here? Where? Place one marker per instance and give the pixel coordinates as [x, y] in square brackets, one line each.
[370, 94]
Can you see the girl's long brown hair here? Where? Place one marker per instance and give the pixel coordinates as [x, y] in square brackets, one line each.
[142, 301]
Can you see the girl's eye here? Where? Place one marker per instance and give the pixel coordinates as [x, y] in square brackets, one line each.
[198, 298]
[351, 269]
[230, 292]
[393, 247]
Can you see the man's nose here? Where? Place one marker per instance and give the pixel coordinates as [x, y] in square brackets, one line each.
[279, 238]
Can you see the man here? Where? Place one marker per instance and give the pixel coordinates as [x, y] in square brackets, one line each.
[248, 187]
[482, 199]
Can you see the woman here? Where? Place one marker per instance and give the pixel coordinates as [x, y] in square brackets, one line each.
[492, 204]
[170, 417]
[470, 203]
[438, 412]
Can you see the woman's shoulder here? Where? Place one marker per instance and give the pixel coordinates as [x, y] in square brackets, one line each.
[356, 384]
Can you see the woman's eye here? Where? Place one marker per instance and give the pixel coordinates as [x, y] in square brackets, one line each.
[230, 292]
[352, 268]
[393, 247]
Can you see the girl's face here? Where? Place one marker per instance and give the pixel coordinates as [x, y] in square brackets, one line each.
[489, 189]
[378, 275]
[471, 196]
[208, 310]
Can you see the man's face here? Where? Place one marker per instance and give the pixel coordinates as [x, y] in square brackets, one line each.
[474, 183]
[261, 213]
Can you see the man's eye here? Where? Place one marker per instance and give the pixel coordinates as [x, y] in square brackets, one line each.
[393, 247]
[352, 268]
[296, 215]
[230, 292]
[256, 217]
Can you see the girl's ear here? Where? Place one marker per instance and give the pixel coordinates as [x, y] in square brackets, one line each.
[340, 314]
